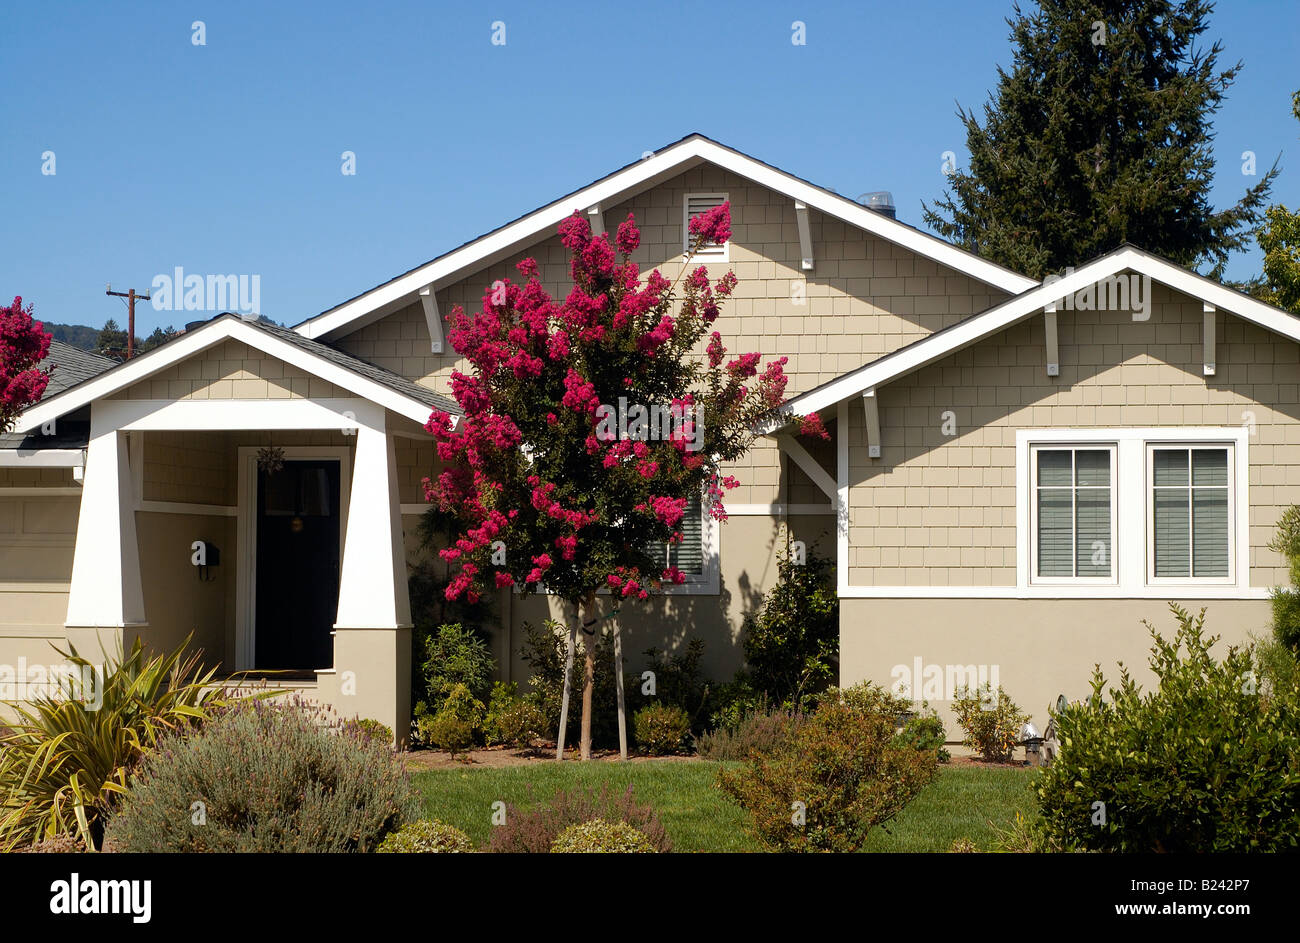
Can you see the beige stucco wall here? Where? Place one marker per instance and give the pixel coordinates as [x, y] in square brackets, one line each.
[177, 603]
[37, 535]
[1040, 648]
[939, 510]
[231, 370]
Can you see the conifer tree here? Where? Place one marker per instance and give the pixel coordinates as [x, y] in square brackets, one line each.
[1099, 134]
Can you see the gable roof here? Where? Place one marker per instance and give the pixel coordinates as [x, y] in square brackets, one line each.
[954, 337]
[376, 384]
[664, 164]
[72, 365]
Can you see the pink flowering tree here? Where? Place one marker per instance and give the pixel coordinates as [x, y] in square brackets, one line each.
[23, 345]
[589, 425]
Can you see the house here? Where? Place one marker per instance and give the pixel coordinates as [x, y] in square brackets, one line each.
[1018, 473]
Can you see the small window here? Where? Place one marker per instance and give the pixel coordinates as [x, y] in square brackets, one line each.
[687, 556]
[697, 203]
[1191, 513]
[1074, 513]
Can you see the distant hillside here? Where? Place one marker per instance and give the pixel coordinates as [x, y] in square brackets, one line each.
[74, 335]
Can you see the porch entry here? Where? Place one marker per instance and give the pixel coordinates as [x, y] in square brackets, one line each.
[297, 584]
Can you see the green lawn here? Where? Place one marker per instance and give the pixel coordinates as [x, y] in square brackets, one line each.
[959, 804]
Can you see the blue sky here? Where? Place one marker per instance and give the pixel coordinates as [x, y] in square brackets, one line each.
[226, 158]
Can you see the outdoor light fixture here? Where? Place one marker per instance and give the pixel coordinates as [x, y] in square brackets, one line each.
[1032, 741]
[202, 556]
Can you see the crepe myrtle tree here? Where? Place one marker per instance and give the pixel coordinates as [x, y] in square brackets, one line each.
[24, 343]
[589, 425]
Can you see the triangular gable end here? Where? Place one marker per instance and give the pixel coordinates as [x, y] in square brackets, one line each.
[928, 350]
[229, 358]
[635, 178]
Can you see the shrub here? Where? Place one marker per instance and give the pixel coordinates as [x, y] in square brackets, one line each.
[679, 683]
[962, 846]
[426, 837]
[992, 732]
[374, 729]
[533, 831]
[870, 698]
[759, 732]
[512, 719]
[456, 724]
[792, 642]
[265, 777]
[736, 700]
[844, 769]
[64, 763]
[1286, 601]
[1203, 763]
[601, 836]
[455, 655]
[661, 729]
[925, 731]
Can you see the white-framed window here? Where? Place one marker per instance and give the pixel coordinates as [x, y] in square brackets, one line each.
[1163, 508]
[1073, 513]
[689, 554]
[1190, 513]
[693, 205]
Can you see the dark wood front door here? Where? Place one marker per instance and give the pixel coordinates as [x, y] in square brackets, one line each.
[297, 565]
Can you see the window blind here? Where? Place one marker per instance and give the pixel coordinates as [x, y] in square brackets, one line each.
[1074, 513]
[1191, 529]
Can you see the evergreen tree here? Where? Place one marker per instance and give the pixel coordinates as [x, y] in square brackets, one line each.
[1099, 134]
[1279, 237]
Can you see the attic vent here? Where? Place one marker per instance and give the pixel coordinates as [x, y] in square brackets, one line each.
[697, 203]
[882, 201]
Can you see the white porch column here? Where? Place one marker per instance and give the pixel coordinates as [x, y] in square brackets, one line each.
[372, 584]
[105, 596]
[372, 632]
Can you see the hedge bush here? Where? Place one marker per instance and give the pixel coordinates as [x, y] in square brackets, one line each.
[426, 837]
[599, 836]
[842, 773]
[1205, 762]
[265, 777]
[992, 732]
[511, 718]
[760, 732]
[661, 729]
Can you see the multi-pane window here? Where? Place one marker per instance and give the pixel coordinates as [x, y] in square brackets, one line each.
[1191, 512]
[1074, 513]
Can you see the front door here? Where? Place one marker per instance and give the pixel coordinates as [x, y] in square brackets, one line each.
[297, 565]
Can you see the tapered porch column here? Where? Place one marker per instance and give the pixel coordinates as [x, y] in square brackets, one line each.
[105, 598]
[372, 632]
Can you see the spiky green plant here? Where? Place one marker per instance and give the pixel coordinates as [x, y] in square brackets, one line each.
[68, 755]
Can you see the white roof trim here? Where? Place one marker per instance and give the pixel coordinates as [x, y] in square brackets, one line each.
[669, 162]
[196, 341]
[42, 458]
[1010, 312]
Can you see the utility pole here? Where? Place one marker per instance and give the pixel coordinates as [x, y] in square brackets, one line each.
[130, 297]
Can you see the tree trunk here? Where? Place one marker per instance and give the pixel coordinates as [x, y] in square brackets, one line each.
[564, 698]
[618, 686]
[587, 613]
